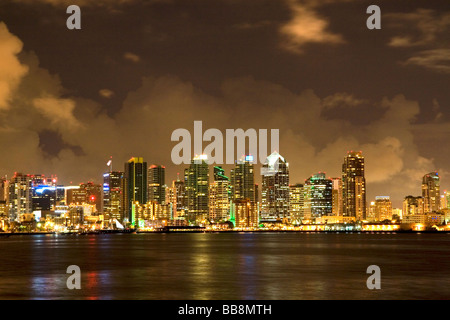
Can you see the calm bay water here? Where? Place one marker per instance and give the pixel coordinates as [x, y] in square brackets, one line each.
[273, 266]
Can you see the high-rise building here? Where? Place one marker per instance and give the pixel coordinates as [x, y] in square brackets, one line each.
[157, 184]
[136, 185]
[20, 197]
[431, 192]
[320, 195]
[179, 198]
[354, 186]
[4, 189]
[246, 215]
[87, 193]
[337, 200]
[219, 196]
[445, 200]
[113, 195]
[296, 203]
[275, 188]
[383, 208]
[412, 206]
[197, 190]
[243, 180]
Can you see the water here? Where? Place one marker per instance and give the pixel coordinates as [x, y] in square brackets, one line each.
[226, 266]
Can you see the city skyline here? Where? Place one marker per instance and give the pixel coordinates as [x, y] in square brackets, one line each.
[137, 71]
[243, 170]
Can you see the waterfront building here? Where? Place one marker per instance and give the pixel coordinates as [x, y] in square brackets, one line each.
[19, 196]
[320, 197]
[219, 196]
[383, 208]
[243, 180]
[296, 203]
[136, 186]
[197, 190]
[113, 195]
[354, 186]
[246, 215]
[337, 200]
[412, 205]
[431, 192]
[275, 188]
[156, 184]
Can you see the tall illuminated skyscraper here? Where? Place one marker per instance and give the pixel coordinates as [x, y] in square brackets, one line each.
[136, 185]
[383, 208]
[20, 200]
[219, 196]
[113, 195]
[354, 186]
[179, 190]
[412, 206]
[296, 203]
[157, 184]
[338, 204]
[320, 195]
[243, 180]
[197, 190]
[431, 192]
[275, 188]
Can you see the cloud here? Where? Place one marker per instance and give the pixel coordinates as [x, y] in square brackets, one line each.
[425, 29]
[131, 57]
[421, 27]
[11, 70]
[106, 93]
[309, 141]
[58, 111]
[306, 27]
[436, 60]
[342, 98]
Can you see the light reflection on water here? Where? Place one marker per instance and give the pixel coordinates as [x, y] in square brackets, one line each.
[268, 266]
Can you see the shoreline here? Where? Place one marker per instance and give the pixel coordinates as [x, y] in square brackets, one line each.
[107, 232]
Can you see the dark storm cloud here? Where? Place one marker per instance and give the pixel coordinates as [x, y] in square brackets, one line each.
[139, 70]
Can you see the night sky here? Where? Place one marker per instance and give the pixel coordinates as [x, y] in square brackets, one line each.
[137, 70]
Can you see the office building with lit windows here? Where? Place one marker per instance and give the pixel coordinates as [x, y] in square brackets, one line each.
[219, 196]
[157, 184]
[354, 186]
[197, 190]
[243, 180]
[275, 188]
[113, 195]
[321, 191]
[431, 192]
[135, 186]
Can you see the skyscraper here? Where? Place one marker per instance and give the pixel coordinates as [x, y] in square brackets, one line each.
[157, 184]
[338, 204]
[113, 195]
[320, 195]
[243, 180]
[246, 215]
[219, 196]
[197, 190]
[431, 192]
[275, 188]
[296, 203]
[179, 198]
[383, 208]
[87, 193]
[136, 185]
[19, 196]
[412, 206]
[354, 186]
